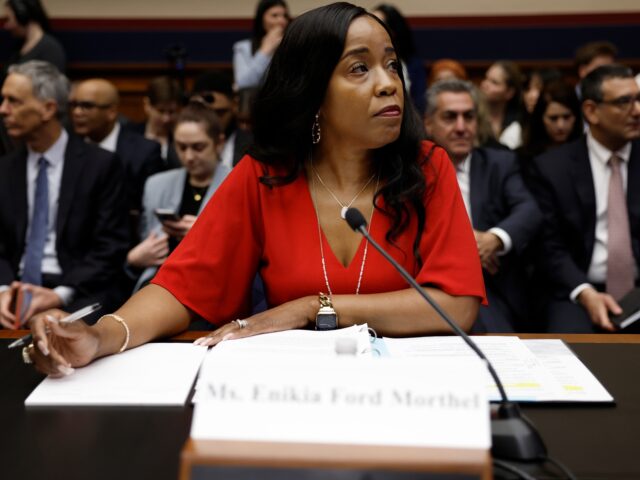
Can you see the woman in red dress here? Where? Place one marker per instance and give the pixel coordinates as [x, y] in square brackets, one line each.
[333, 129]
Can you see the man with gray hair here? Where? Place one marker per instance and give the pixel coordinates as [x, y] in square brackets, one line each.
[503, 213]
[63, 230]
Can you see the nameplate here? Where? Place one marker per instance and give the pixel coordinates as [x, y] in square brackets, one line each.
[366, 401]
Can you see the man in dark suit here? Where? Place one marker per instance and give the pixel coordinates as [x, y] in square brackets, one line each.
[214, 88]
[591, 247]
[63, 233]
[94, 116]
[503, 213]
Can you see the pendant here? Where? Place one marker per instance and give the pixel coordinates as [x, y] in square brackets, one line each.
[197, 197]
[343, 212]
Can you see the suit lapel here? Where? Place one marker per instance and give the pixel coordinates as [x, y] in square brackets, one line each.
[18, 189]
[581, 177]
[71, 173]
[633, 196]
[476, 188]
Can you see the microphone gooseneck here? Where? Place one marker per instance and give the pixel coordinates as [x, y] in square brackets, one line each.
[513, 435]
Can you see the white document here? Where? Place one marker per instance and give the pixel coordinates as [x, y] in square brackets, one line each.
[152, 374]
[354, 400]
[577, 382]
[524, 376]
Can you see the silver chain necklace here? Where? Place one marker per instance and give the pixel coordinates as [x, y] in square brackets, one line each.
[346, 207]
[366, 245]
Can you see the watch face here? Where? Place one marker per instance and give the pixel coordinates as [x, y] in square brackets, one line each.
[326, 321]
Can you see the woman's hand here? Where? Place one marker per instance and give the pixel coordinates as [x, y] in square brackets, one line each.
[58, 348]
[288, 316]
[271, 40]
[151, 252]
[179, 228]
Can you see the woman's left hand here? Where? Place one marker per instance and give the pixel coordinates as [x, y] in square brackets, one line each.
[288, 316]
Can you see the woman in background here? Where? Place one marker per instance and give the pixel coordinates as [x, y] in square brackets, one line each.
[184, 191]
[556, 119]
[412, 65]
[251, 57]
[502, 88]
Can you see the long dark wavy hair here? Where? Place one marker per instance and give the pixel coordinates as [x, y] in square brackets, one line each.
[536, 139]
[258, 32]
[294, 90]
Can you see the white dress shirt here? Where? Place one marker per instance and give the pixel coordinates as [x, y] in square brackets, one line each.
[226, 156]
[599, 157]
[463, 174]
[110, 142]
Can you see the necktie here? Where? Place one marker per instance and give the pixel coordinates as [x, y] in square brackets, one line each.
[619, 255]
[38, 233]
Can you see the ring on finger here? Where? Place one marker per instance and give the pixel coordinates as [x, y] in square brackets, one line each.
[26, 354]
[241, 323]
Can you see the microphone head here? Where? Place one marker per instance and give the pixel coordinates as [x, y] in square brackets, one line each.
[355, 219]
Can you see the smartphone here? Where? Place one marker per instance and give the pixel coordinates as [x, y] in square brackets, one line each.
[164, 214]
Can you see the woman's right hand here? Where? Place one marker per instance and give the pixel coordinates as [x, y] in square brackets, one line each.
[271, 40]
[59, 348]
[151, 252]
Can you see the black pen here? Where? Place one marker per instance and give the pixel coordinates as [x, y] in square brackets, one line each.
[77, 315]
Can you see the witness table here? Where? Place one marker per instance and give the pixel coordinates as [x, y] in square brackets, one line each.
[594, 441]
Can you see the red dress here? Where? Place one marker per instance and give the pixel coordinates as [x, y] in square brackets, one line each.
[249, 227]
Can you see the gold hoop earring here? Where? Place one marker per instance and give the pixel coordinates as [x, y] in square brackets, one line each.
[315, 131]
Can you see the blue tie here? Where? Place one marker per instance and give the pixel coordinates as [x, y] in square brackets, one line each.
[38, 234]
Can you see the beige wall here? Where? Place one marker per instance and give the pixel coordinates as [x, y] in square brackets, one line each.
[245, 8]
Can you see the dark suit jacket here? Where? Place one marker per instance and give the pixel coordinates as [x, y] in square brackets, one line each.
[500, 199]
[563, 186]
[242, 142]
[141, 159]
[91, 225]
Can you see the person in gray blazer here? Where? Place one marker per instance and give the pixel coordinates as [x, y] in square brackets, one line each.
[172, 200]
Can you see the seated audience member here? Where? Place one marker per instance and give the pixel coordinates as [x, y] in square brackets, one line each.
[412, 65]
[503, 213]
[214, 89]
[161, 106]
[556, 119]
[446, 69]
[591, 250]
[27, 21]
[184, 191]
[94, 116]
[501, 88]
[591, 56]
[534, 85]
[244, 119]
[63, 233]
[251, 57]
[279, 213]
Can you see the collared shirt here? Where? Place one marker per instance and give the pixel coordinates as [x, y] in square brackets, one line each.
[55, 165]
[110, 142]
[599, 157]
[226, 156]
[463, 174]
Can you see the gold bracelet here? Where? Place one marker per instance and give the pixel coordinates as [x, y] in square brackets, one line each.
[121, 321]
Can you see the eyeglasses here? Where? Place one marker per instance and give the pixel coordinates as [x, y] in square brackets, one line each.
[87, 105]
[625, 102]
[209, 98]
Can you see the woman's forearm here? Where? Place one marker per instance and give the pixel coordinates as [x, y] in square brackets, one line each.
[151, 313]
[404, 312]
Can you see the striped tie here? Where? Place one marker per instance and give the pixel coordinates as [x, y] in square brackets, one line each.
[620, 260]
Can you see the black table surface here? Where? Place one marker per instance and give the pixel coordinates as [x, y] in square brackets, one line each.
[594, 441]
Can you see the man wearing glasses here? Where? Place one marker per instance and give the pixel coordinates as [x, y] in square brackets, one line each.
[588, 192]
[93, 109]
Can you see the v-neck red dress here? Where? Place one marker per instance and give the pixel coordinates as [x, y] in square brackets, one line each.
[248, 227]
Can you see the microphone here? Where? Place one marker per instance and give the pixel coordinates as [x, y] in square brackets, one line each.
[513, 436]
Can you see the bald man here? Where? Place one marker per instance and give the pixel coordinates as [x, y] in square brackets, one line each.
[94, 114]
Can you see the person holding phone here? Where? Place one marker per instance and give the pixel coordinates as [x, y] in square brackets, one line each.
[173, 199]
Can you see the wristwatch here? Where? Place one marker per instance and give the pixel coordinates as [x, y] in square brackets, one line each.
[327, 318]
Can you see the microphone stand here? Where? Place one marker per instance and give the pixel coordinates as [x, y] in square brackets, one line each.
[513, 436]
